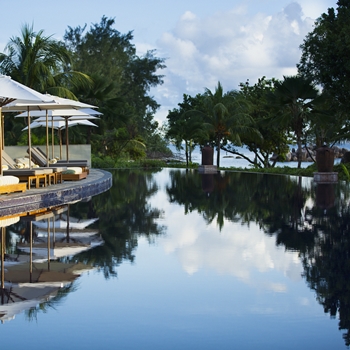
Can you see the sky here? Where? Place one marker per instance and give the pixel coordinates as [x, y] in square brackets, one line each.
[230, 41]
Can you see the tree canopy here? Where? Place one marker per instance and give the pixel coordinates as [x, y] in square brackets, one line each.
[97, 65]
[121, 82]
[326, 52]
[42, 63]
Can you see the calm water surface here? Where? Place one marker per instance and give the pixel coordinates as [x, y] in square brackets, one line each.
[190, 261]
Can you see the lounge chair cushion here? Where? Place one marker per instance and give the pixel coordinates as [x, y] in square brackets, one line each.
[24, 172]
[23, 162]
[58, 169]
[73, 170]
[8, 180]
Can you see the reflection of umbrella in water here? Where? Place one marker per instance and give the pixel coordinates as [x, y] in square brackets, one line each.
[59, 125]
[19, 295]
[65, 221]
[28, 284]
[4, 222]
[45, 246]
[11, 91]
[60, 249]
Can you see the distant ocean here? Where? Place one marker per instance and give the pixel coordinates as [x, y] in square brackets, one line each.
[231, 160]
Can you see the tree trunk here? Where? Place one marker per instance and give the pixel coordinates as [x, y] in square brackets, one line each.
[218, 153]
[299, 152]
[186, 153]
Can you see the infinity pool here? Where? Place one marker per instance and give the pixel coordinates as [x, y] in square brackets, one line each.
[181, 260]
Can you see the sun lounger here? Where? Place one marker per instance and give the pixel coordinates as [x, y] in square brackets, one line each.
[54, 173]
[83, 161]
[74, 174]
[44, 175]
[29, 175]
[38, 158]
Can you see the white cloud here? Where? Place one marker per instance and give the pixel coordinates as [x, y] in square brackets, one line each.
[229, 47]
[236, 250]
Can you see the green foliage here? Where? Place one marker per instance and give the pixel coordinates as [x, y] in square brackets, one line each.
[274, 136]
[325, 55]
[227, 117]
[41, 63]
[186, 125]
[346, 172]
[121, 83]
[105, 162]
[294, 99]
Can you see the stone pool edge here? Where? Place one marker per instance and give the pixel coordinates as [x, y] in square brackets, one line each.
[98, 181]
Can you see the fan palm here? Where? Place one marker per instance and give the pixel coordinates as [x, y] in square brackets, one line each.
[42, 63]
[227, 117]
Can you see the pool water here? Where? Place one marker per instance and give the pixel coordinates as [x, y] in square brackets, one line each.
[189, 261]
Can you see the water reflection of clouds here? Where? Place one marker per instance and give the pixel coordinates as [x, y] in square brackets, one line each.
[235, 250]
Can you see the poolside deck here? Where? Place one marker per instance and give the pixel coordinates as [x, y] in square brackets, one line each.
[98, 181]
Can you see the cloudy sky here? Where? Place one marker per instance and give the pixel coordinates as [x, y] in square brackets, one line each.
[238, 250]
[203, 42]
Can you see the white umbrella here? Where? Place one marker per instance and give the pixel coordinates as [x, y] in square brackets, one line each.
[58, 125]
[58, 103]
[55, 113]
[52, 103]
[11, 92]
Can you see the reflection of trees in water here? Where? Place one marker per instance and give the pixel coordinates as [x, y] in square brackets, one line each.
[267, 200]
[327, 265]
[312, 221]
[124, 215]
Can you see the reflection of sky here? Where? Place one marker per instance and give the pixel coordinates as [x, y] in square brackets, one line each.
[193, 287]
[236, 250]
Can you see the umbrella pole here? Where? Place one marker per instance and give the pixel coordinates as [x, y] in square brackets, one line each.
[60, 137]
[67, 141]
[52, 138]
[2, 128]
[47, 138]
[29, 141]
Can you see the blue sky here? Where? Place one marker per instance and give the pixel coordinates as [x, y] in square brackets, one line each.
[203, 42]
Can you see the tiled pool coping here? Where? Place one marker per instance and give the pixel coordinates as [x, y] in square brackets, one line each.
[98, 181]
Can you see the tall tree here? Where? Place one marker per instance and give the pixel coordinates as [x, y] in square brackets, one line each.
[42, 63]
[326, 52]
[294, 99]
[186, 125]
[227, 118]
[274, 138]
[110, 58]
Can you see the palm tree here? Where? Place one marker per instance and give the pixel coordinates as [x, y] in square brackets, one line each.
[42, 63]
[188, 128]
[294, 97]
[227, 117]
